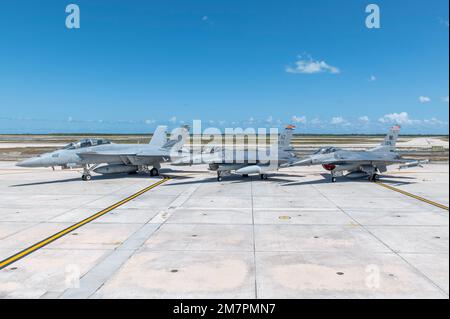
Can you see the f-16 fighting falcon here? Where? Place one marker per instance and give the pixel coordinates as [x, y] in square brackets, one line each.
[359, 164]
[246, 162]
[90, 154]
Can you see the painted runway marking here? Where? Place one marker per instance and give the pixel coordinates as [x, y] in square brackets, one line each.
[413, 196]
[8, 261]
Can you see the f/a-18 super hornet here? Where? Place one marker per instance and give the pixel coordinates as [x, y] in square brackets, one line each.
[226, 161]
[359, 164]
[90, 154]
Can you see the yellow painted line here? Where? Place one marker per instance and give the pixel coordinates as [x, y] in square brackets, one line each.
[8, 261]
[413, 196]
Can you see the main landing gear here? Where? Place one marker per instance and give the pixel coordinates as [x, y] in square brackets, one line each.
[374, 177]
[219, 177]
[264, 176]
[333, 177]
[154, 172]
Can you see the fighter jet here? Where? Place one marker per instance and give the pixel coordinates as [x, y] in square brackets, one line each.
[90, 154]
[359, 164]
[246, 162]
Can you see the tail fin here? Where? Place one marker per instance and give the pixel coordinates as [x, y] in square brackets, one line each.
[284, 141]
[391, 139]
[159, 137]
[178, 138]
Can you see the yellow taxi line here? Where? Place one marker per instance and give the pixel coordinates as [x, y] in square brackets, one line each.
[8, 261]
[413, 196]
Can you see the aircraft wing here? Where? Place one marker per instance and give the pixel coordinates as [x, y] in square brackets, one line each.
[365, 160]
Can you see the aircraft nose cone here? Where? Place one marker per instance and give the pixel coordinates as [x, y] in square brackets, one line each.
[30, 162]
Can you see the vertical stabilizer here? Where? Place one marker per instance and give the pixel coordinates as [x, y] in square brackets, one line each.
[159, 137]
[178, 138]
[285, 139]
[391, 138]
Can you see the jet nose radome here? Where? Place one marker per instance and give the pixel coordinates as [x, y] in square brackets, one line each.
[30, 162]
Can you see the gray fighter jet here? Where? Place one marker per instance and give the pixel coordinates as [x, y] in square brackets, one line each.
[90, 154]
[246, 162]
[359, 164]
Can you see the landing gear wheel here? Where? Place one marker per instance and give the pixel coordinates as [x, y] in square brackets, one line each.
[219, 177]
[333, 179]
[86, 177]
[154, 172]
[264, 176]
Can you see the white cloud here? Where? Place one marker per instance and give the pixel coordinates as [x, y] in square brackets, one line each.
[316, 121]
[424, 99]
[372, 78]
[397, 118]
[205, 18]
[173, 119]
[445, 99]
[364, 119]
[149, 122]
[433, 121]
[299, 119]
[310, 66]
[269, 119]
[339, 120]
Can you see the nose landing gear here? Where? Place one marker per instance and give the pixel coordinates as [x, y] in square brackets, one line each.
[87, 172]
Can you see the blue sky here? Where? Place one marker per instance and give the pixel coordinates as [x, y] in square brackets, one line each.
[135, 64]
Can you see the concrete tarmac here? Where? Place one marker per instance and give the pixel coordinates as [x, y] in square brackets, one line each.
[295, 235]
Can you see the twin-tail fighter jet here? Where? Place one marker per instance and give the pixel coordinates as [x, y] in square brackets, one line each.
[246, 162]
[104, 157]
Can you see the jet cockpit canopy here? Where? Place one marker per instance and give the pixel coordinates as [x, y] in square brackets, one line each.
[86, 143]
[326, 150]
